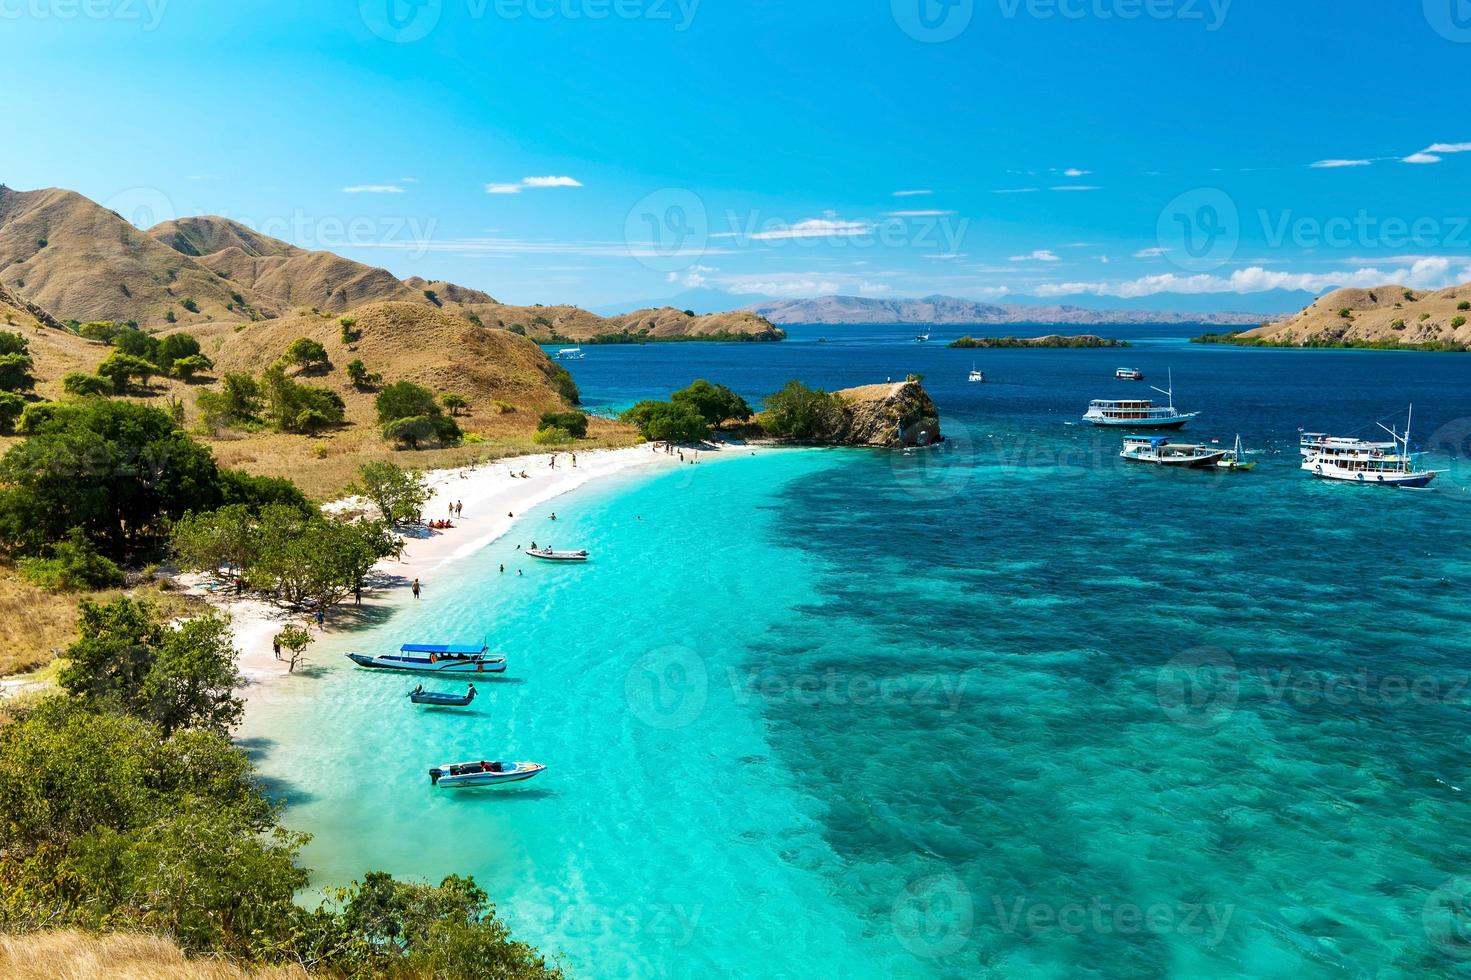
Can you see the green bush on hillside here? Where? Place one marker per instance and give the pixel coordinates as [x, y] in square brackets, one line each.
[74, 566]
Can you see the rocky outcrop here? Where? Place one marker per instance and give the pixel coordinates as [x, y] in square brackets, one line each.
[13, 302]
[891, 416]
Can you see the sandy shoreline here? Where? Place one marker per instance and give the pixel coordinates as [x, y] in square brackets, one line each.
[493, 500]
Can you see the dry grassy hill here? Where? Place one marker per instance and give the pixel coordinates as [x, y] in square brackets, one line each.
[75, 955]
[1386, 315]
[81, 261]
[575, 323]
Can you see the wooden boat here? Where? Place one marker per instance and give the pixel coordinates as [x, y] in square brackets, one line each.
[465, 775]
[436, 700]
[1129, 374]
[1351, 460]
[1160, 451]
[435, 658]
[547, 554]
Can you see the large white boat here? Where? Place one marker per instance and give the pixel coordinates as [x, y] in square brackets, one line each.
[977, 376]
[570, 354]
[1129, 374]
[1137, 413]
[1161, 452]
[1356, 461]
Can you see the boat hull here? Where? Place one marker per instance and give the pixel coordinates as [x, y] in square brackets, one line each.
[442, 777]
[1187, 463]
[1177, 422]
[1412, 481]
[559, 555]
[490, 665]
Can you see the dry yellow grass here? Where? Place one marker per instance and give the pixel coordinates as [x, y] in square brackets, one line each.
[69, 955]
[1392, 314]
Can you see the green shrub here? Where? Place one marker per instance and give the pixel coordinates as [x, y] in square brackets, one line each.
[1465, 304]
[405, 409]
[11, 407]
[187, 367]
[799, 412]
[307, 354]
[74, 566]
[716, 404]
[296, 407]
[1346, 313]
[1458, 322]
[573, 423]
[121, 369]
[361, 378]
[78, 383]
[188, 303]
[554, 436]
[454, 402]
[667, 422]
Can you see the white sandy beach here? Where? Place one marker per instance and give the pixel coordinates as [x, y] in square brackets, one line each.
[493, 498]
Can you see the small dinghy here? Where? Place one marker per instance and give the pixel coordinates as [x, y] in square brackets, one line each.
[547, 554]
[470, 774]
[435, 658]
[434, 699]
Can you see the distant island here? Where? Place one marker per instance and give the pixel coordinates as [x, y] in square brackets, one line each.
[1051, 340]
[950, 310]
[1384, 318]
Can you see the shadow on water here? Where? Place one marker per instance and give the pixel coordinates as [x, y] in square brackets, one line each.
[489, 794]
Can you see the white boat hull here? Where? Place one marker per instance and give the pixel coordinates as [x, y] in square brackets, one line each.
[445, 777]
[1328, 471]
[446, 665]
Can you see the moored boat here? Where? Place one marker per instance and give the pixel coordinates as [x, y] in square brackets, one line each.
[1357, 461]
[977, 376]
[436, 700]
[922, 338]
[1138, 413]
[1160, 451]
[1129, 374]
[435, 658]
[570, 354]
[471, 774]
[547, 554]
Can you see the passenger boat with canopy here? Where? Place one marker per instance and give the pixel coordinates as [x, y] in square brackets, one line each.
[1356, 461]
[1138, 413]
[1160, 451]
[435, 658]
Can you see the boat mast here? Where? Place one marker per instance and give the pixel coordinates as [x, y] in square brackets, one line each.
[1171, 392]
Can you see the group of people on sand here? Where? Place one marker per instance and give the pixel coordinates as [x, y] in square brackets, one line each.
[456, 509]
[552, 462]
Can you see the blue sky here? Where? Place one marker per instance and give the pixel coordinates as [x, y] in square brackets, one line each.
[596, 151]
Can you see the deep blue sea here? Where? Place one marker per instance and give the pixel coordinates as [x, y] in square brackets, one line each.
[1008, 707]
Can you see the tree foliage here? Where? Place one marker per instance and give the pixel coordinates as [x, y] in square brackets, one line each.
[86, 385]
[412, 417]
[716, 404]
[237, 401]
[399, 494]
[574, 423]
[123, 369]
[74, 565]
[800, 412]
[295, 407]
[307, 354]
[667, 422]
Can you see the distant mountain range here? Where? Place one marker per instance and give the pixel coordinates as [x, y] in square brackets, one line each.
[952, 310]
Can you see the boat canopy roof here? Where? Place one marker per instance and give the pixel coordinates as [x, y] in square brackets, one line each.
[1111, 403]
[442, 648]
[1151, 440]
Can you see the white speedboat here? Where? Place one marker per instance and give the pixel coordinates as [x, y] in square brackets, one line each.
[1129, 374]
[1138, 413]
[464, 775]
[570, 354]
[1161, 452]
[1355, 461]
[977, 376]
[435, 658]
[547, 554]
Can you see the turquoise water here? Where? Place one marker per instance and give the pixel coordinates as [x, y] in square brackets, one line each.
[1008, 708]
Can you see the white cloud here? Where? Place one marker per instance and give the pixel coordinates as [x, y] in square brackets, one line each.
[1150, 253]
[1336, 164]
[1434, 152]
[917, 214]
[1041, 255]
[1075, 172]
[1076, 187]
[784, 287]
[872, 289]
[1428, 273]
[532, 182]
[811, 228]
[1422, 157]
[373, 189]
[692, 278]
[912, 193]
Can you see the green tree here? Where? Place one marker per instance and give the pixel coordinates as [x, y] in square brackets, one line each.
[86, 385]
[136, 343]
[411, 416]
[350, 333]
[224, 538]
[121, 369]
[13, 343]
[667, 422]
[187, 367]
[295, 407]
[175, 678]
[12, 406]
[799, 412]
[315, 561]
[74, 565]
[575, 423]
[174, 347]
[399, 494]
[15, 372]
[455, 403]
[238, 401]
[307, 354]
[716, 404]
[361, 378]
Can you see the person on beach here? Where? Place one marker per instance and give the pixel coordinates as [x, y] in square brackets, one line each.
[239, 586]
[321, 617]
[276, 646]
[415, 587]
[553, 463]
[357, 594]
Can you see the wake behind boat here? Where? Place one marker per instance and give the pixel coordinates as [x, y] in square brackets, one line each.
[464, 775]
[547, 554]
[434, 658]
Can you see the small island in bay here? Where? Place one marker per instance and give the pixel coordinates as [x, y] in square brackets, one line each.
[1384, 318]
[1051, 340]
